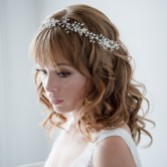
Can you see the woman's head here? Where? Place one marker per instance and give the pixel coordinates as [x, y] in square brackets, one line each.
[109, 98]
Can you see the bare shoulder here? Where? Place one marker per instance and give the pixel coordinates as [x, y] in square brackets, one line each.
[113, 152]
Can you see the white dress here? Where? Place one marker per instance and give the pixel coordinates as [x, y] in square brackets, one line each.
[85, 158]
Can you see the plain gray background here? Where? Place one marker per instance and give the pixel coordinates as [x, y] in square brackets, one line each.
[143, 29]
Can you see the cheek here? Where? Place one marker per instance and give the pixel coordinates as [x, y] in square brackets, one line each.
[77, 89]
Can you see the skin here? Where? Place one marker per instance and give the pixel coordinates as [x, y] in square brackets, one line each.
[65, 89]
[113, 152]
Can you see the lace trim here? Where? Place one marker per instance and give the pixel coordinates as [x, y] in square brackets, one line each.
[84, 159]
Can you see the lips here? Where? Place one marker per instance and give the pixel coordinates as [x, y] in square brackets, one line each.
[55, 101]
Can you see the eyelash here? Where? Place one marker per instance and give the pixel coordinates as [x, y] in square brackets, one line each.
[62, 74]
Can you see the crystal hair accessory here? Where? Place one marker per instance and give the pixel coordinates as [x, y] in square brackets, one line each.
[79, 28]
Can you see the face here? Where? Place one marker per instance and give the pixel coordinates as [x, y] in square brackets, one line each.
[64, 87]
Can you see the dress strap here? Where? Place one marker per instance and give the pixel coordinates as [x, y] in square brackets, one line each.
[120, 132]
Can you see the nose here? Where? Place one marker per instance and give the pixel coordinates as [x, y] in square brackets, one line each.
[51, 83]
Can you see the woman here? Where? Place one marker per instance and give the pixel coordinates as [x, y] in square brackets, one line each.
[84, 78]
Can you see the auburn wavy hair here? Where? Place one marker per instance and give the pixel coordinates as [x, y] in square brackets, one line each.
[112, 98]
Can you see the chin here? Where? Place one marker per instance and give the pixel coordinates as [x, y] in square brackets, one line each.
[62, 110]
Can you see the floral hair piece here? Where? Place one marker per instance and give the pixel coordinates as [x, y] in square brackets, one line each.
[79, 28]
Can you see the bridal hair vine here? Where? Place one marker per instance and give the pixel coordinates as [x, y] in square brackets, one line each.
[79, 28]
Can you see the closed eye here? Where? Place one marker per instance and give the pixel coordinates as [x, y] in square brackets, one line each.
[63, 74]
